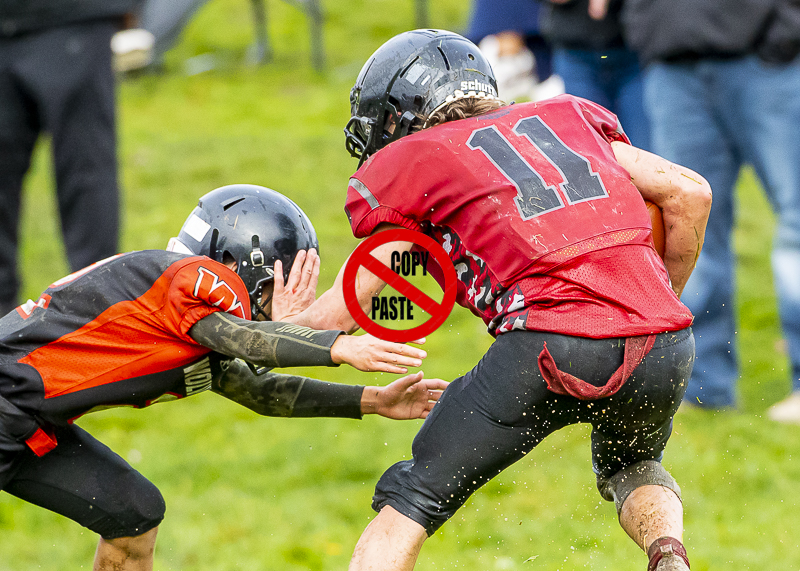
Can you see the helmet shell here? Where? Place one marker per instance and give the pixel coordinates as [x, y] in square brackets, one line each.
[255, 226]
[407, 79]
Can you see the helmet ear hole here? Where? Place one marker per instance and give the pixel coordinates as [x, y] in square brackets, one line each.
[227, 258]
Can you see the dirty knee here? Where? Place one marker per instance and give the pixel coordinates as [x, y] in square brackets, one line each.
[618, 487]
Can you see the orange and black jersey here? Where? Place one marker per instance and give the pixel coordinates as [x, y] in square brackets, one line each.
[117, 333]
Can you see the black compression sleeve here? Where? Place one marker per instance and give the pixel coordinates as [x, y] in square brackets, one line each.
[265, 343]
[273, 394]
[319, 398]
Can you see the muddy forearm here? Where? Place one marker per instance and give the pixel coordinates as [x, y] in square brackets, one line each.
[265, 343]
[684, 198]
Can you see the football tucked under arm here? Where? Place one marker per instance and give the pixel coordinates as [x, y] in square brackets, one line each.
[657, 222]
[684, 198]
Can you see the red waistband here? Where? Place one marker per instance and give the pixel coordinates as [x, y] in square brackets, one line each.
[559, 382]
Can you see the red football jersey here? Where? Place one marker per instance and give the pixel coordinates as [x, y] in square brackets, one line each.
[544, 227]
[116, 333]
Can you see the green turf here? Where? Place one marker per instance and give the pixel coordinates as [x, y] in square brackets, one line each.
[245, 492]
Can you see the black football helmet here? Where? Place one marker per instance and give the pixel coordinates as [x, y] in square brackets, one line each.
[407, 79]
[251, 224]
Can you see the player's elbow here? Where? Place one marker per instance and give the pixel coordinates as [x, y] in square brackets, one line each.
[692, 201]
[699, 198]
[708, 197]
[701, 193]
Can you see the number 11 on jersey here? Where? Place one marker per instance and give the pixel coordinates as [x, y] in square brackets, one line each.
[534, 195]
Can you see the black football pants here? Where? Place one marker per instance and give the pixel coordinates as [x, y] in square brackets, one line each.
[84, 480]
[499, 411]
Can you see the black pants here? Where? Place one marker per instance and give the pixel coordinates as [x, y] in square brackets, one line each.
[499, 411]
[60, 81]
[84, 480]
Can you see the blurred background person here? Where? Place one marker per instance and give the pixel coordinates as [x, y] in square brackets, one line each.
[160, 23]
[722, 87]
[56, 77]
[507, 32]
[591, 57]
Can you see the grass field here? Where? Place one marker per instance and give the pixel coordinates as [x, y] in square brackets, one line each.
[251, 493]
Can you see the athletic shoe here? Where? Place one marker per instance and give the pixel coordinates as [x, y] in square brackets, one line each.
[132, 49]
[548, 88]
[786, 411]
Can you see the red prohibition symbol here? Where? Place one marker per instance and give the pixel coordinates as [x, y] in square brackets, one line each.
[362, 256]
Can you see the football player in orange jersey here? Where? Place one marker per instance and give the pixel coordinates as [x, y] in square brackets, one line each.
[147, 326]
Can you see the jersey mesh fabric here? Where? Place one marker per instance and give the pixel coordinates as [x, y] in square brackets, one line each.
[123, 323]
[583, 266]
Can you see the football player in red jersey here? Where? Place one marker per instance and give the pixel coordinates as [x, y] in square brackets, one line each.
[540, 207]
[148, 326]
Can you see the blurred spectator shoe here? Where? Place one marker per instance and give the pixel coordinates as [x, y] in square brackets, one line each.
[786, 411]
[132, 49]
[548, 88]
[515, 69]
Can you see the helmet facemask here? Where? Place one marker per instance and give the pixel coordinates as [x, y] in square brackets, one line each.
[253, 267]
[362, 138]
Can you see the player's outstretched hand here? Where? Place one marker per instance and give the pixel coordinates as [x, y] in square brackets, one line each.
[407, 398]
[368, 353]
[300, 290]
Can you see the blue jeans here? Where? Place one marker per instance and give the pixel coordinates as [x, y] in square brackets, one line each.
[495, 16]
[166, 19]
[611, 78]
[714, 116]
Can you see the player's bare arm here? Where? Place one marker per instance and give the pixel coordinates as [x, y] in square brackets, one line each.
[276, 344]
[368, 353]
[273, 394]
[685, 201]
[409, 397]
[330, 311]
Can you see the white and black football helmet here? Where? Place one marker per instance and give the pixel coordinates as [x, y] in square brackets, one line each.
[408, 78]
[252, 225]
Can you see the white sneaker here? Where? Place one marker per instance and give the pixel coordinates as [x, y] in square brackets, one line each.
[787, 411]
[548, 88]
[132, 49]
[515, 74]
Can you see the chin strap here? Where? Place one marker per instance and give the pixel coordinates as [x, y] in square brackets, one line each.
[406, 121]
[258, 308]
